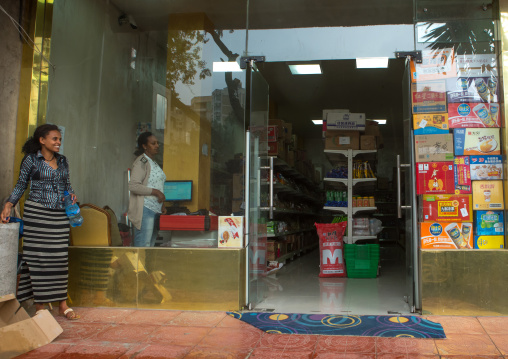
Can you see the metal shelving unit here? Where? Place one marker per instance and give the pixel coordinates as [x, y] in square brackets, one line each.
[350, 182]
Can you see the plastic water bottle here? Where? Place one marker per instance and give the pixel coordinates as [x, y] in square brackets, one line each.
[72, 211]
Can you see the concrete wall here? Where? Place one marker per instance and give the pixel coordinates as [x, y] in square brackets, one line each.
[10, 65]
[99, 99]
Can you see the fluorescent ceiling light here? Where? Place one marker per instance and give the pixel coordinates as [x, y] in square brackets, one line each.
[381, 122]
[318, 122]
[231, 66]
[371, 62]
[309, 69]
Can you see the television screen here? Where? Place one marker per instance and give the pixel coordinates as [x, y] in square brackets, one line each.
[178, 190]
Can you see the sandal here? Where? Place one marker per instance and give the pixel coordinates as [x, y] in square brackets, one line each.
[70, 314]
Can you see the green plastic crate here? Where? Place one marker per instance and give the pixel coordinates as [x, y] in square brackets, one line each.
[362, 260]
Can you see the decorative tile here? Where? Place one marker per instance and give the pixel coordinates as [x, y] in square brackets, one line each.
[153, 317]
[94, 350]
[346, 344]
[406, 356]
[280, 354]
[466, 344]
[406, 346]
[229, 338]
[501, 342]
[472, 357]
[75, 332]
[47, 351]
[104, 315]
[185, 336]
[153, 351]
[494, 325]
[332, 355]
[198, 319]
[213, 353]
[458, 325]
[126, 333]
[288, 341]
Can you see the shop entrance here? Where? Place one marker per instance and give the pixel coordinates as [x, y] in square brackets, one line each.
[300, 192]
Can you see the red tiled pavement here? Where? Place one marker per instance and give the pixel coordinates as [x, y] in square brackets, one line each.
[104, 333]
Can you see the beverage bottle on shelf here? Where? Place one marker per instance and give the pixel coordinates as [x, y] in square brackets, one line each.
[72, 211]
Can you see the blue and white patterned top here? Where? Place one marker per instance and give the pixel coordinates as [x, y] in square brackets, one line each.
[47, 185]
[156, 180]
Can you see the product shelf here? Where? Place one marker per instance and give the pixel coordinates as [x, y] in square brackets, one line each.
[336, 209]
[363, 209]
[271, 235]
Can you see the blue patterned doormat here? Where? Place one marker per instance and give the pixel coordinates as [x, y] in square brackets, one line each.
[328, 324]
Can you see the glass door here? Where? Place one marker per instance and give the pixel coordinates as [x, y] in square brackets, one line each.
[406, 197]
[255, 193]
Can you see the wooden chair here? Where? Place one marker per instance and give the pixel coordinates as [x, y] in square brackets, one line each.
[95, 230]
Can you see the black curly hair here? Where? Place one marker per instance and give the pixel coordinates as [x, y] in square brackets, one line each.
[32, 145]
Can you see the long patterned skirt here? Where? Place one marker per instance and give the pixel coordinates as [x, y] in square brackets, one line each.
[45, 253]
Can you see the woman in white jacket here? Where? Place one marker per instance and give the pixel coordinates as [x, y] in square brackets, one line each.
[146, 187]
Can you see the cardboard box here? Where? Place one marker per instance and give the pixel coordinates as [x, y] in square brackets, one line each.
[345, 121]
[367, 142]
[436, 65]
[472, 89]
[273, 134]
[447, 208]
[277, 149]
[290, 158]
[430, 124]
[472, 115]
[476, 141]
[20, 333]
[288, 136]
[488, 242]
[281, 127]
[428, 97]
[342, 140]
[236, 205]
[488, 195]
[231, 232]
[435, 177]
[372, 128]
[462, 175]
[433, 148]
[489, 223]
[437, 235]
[486, 167]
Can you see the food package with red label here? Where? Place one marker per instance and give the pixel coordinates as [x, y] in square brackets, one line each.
[331, 249]
[231, 232]
[472, 115]
[447, 208]
[428, 97]
[462, 175]
[435, 177]
[437, 235]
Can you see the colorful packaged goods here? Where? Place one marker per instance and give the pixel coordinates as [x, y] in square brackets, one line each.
[472, 89]
[471, 115]
[462, 175]
[430, 123]
[486, 167]
[331, 249]
[447, 208]
[435, 148]
[489, 223]
[428, 97]
[476, 141]
[437, 235]
[435, 177]
[488, 242]
[488, 195]
[435, 65]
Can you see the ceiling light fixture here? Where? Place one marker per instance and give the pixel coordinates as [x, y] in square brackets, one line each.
[372, 62]
[305, 69]
[381, 122]
[231, 66]
[318, 122]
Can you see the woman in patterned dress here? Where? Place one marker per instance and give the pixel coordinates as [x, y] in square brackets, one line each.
[146, 186]
[45, 224]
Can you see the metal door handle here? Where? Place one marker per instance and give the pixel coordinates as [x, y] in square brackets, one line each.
[400, 207]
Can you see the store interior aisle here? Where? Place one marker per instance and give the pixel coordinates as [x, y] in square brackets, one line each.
[297, 288]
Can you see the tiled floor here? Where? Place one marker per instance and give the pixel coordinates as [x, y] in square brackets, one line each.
[142, 334]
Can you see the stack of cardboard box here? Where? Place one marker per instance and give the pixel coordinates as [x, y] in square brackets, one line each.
[344, 131]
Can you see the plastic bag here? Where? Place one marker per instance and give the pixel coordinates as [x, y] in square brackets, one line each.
[331, 249]
[375, 226]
